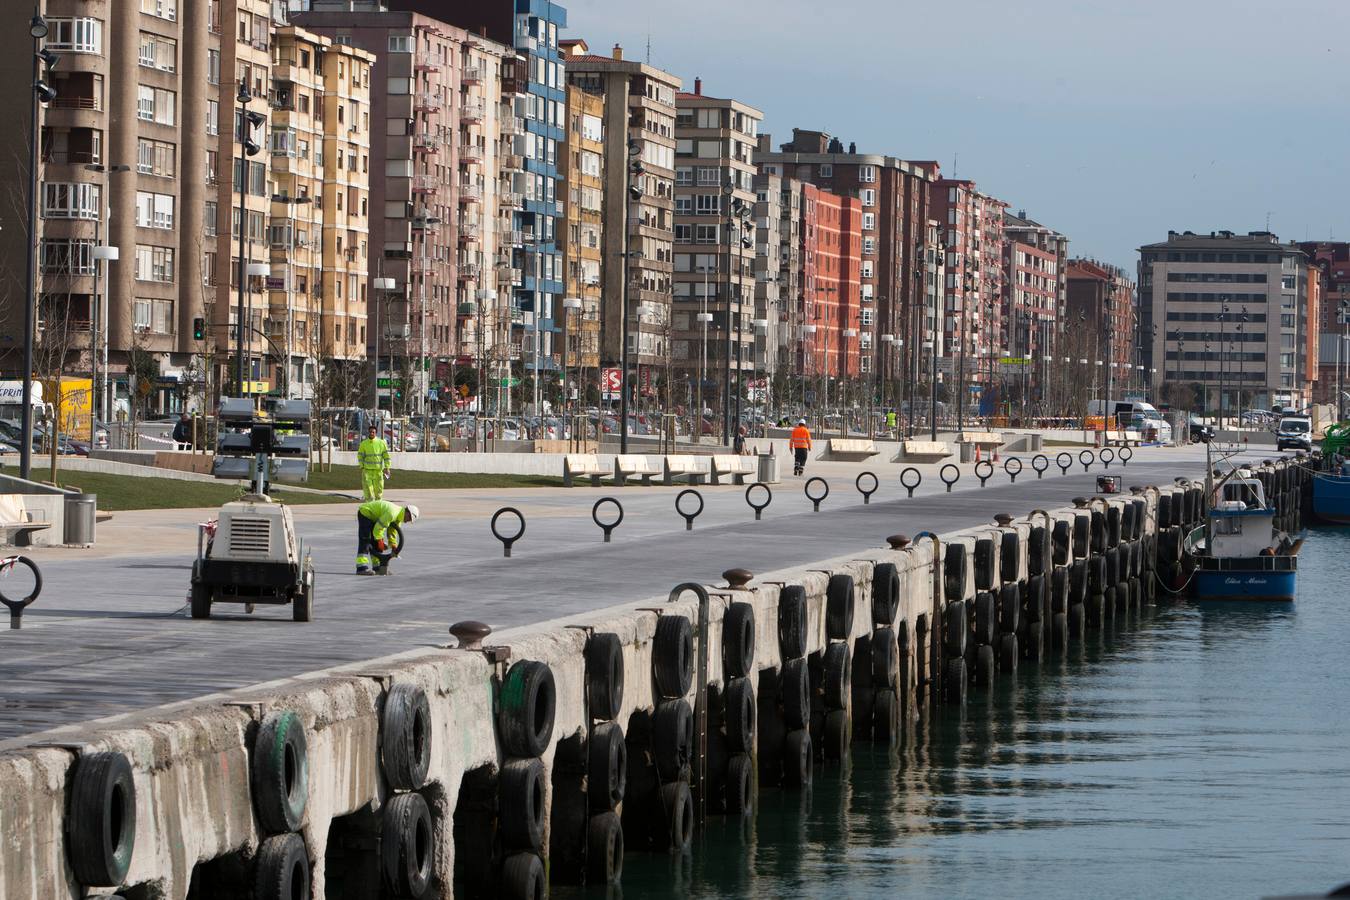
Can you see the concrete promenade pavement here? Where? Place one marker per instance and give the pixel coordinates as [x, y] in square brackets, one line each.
[110, 633]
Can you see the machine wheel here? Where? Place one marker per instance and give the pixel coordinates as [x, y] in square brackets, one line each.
[201, 600]
[302, 607]
[393, 536]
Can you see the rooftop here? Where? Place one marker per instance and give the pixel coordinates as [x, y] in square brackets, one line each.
[1224, 240]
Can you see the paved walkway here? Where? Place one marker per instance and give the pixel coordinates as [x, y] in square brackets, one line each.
[111, 632]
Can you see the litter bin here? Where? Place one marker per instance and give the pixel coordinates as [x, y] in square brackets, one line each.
[768, 468]
[1036, 443]
[81, 511]
[967, 451]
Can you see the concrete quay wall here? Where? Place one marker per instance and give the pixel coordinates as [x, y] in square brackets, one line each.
[197, 795]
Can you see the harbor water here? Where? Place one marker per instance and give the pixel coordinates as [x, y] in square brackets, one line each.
[1202, 750]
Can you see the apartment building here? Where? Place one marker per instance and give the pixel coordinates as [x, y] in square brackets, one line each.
[1233, 316]
[774, 280]
[437, 113]
[639, 213]
[973, 321]
[714, 231]
[895, 195]
[583, 171]
[831, 275]
[1101, 304]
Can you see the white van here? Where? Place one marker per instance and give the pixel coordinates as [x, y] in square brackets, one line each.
[1132, 414]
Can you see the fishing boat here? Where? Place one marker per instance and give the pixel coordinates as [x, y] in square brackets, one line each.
[1238, 553]
[1331, 486]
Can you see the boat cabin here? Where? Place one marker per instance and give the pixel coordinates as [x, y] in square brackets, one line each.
[1241, 524]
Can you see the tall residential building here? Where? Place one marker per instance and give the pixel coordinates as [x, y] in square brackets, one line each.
[1101, 309]
[639, 125]
[537, 84]
[583, 171]
[1233, 317]
[714, 230]
[831, 257]
[1331, 260]
[774, 279]
[895, 198]
[437, 110]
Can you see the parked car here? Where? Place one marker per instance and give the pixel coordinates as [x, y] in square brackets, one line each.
[1199, 432]
[1294, 433]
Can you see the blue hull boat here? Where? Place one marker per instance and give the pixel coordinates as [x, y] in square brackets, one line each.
[1331, 496]
[1238, 553]
[1247, 584]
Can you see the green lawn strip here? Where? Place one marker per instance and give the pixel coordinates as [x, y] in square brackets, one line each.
[348, 478]
[119, 492]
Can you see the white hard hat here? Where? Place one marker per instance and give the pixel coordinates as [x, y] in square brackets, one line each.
[412, 511]
[801, 421]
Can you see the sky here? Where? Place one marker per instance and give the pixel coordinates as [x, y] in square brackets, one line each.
[1111, 122]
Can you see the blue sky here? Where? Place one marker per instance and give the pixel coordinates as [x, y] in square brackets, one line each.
[1109, 121]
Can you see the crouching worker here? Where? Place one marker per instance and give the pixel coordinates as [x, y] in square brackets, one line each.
[373, 520]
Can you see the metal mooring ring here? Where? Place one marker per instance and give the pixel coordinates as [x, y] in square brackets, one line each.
[606, 527]
[1064, 461]
[1012, 471]
[1040, 462]
[956, 476]
[507, 541]
[1106, 455]
[689, 517]
[1085, 457]
[815, 501]
[867, 495]
[988, 471]
[1126, 454]
[905, 482]
[760, 507]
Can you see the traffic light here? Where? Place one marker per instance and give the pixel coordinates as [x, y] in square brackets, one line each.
[198, 329]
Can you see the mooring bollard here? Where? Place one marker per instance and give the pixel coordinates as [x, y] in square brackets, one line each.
[908, 484]
[1040, 462]
[609, 527]
[17, 606]
[507, 541]
[759, 507]
[816, 501]
[689, 517]
[955, 476]
[867, 494]
[1013, 466]
[1085, 457]
[1064, 461]
[988, 471]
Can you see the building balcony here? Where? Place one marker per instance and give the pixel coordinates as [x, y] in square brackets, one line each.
[471, 112]
[469, 271]
[472, 75]
[425, 184]
[89, 103]
[510, 199]
[470, 153]
[426, 101]
[426, 142]
[470, 193]
[426, 64]
[421, 264]
[512, 125]
[470, 233]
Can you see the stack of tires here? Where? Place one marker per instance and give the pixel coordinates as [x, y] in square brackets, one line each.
[606, 759]
[1051, 584]
[406, 824]
[794, 686]
[984, 649]
[525, 711]
[1011, 619]
[836, 668]
[672, 735]
[956, 625]
[735, 777]
[884, 649]
[279, 777]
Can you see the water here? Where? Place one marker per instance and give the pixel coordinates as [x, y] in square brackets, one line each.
[1200, 752]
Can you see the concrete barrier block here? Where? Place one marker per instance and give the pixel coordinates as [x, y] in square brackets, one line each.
[32, 820]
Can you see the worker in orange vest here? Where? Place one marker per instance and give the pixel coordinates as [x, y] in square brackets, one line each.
[800, 442]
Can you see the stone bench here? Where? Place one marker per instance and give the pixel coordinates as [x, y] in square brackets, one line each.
[924, 451]
[1122, 438]
[684, 468]
[987, 440]
[736, 466]
[851, 449]
[633, 466]
[17, 523]
[582, 465]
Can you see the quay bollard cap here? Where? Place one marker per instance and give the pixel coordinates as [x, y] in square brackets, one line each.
[737, 578]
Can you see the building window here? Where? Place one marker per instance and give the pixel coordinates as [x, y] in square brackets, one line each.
[70, 201]
[155, 105]
[154, 264]
[826, 170]
[154, 210]
[869, 221]
[707, 204]
[684, 176]
[61, 256]
[164, 9]
[158, 52]
[209, 219]
[705, 234]
[869, 197]
[75, 35]
[867, 174]
[155, 158]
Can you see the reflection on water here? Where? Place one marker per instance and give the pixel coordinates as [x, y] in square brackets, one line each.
[1198, 751]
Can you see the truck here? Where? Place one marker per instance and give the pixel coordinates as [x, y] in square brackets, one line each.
[1294, 433]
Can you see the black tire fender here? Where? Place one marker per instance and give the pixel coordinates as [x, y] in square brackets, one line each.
[520, 809]
[956, 630]
[528, 704]
[839, 607]
[672, 738]
[986, 618]
[407, 839]
[1007, 654]
[885, 594]
[885, 659]
[606, 767]
[523, 877]
[1009, 607]
[740, 785]
[280, 773]
[604, 849]
[101, 819]
[954, 681]
[792, 621]
[954, 572]
[740, 719]
[984, 564]
[678, 803]
[673, 656]
[1009, 556]
[795, 685]
[738, 640]
[1036, 551]
[281, 868]
[838, 675]
[838, 734]
[405, 737]
[798, 758]
[604, 675]
[983, 675]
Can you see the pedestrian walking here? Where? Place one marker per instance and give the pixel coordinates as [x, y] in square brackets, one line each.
[182, 433]
[373, 458]
[373, 521]
[738, 445]
[800, 442]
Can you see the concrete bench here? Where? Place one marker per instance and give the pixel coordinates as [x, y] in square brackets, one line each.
[987, 440]
[582, 465]
[852, 449]
[684, 468]
[17, 524]
[633, 466]
[736, 466]
[1122, 438]
[924, 451]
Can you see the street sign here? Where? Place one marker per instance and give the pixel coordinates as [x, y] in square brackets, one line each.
[511, 381]
[611, 383]
[256, 387]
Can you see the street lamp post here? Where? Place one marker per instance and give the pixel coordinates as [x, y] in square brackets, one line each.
[570, 305]
[932, 389]
[635, 173]
[382, 287]
[248, 147]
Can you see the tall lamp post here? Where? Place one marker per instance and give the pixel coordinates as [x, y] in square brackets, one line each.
[931, 346]
[383, 287]
[42, 93]
[635, 173]
[571, 305]
[249, 121]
